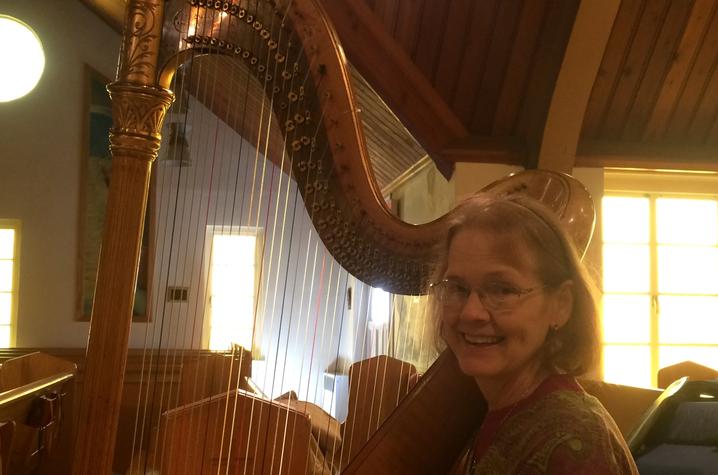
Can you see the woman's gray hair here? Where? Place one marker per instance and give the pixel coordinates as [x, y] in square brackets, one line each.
[574, 348]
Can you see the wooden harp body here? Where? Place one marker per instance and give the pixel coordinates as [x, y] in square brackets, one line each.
[263, 69]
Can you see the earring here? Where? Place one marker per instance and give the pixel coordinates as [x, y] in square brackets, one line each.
[555, 327]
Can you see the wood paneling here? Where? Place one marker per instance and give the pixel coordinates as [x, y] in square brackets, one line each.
[611, 65]
[494, 63]
[656, 99]
[151, 383]
[473, 63]
[464, 71]
[682, 61]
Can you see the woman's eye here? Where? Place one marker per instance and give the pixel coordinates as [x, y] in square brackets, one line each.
[501, 289]
[457, 289]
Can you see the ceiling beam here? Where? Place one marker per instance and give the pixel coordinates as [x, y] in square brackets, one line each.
[391, 72]
[581, 62]
[622, 154]
[489, 149]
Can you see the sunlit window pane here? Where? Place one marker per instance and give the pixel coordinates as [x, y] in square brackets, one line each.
[7, 243]
[686, 221]
[689, 270]
[232, 290]
[5, 276]
[704, 355]
[5, 308]
[625, 219]
[4, 336]
[626, 268]
[234, 249]
[688, 319]
[626, 318]
[629, 365]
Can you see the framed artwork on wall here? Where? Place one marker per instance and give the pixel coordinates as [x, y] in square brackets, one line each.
[95, 174]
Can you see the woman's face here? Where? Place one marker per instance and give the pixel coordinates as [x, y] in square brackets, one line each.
[496, 344]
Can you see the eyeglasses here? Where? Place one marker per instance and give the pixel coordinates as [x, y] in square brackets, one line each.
[494, 296]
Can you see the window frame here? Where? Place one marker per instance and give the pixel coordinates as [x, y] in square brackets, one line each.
[229, 230]
[654, 185]
[16, 225]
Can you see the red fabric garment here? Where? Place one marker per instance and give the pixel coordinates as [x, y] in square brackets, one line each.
[558, 429]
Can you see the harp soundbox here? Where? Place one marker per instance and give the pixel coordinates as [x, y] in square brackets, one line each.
[260, 91]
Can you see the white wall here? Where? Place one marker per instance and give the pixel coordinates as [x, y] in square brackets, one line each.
[40, 151]
[304, 324]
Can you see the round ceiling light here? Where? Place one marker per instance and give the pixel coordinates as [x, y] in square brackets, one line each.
[21, 58]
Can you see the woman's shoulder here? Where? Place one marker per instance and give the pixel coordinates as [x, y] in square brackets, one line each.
[565, 430]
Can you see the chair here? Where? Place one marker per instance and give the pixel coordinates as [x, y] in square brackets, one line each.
[679, 434]
[625, 404]
[376, 386]
[693, 371]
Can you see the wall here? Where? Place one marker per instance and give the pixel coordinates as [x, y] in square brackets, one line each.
[40, 151]
[303, 324]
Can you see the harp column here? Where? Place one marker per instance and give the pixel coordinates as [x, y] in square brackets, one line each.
[138, 108]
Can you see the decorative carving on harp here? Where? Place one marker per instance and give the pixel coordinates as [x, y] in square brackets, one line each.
[280, 59]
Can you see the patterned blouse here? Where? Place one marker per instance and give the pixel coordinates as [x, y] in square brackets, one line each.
[557, 430]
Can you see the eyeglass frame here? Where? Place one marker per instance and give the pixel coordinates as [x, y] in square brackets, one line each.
[491, 308]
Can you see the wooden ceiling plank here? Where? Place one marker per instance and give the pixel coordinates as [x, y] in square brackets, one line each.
[632, 72]
[712, 137]
[498, 57]
[431, 36]
[685, 55]
[587, 43]
[453, 46]
[373, 52]
[474, 61]
[520, 64]
[623, 154]
[699, 130]
[386, 11]
[696, 84]
[611, 65]
[544, 75]
[407, 24]
[658, 66]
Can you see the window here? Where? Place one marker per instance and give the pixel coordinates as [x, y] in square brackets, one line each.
[232, 286]
[660, 282]
[9, 272]
[380, 308]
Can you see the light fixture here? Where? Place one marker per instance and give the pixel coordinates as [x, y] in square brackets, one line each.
[21, 59]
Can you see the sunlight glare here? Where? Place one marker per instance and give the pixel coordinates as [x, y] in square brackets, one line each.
[626, 268]
[688, 319]
[686, 221]
[703, 355]
[688, 269]
[627, 365]
[625, 219]
[7, 243]
[5, 308]
[626, 318]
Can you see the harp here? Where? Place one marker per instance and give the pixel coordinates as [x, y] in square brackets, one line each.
[270, 70]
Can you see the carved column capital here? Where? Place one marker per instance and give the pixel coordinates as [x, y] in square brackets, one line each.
[138, 113]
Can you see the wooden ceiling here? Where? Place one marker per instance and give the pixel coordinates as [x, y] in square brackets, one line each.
[656, 94]
[547, 83]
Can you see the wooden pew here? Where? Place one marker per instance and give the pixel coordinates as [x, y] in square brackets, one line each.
[265, 437]
[35, 403]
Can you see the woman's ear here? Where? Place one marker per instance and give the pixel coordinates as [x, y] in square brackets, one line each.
[563, 301]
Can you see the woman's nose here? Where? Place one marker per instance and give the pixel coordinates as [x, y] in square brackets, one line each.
[474, 308]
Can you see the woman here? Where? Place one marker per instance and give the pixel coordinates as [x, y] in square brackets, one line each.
[517, 309]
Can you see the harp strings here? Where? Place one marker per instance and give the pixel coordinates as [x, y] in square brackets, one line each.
[322, 284]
